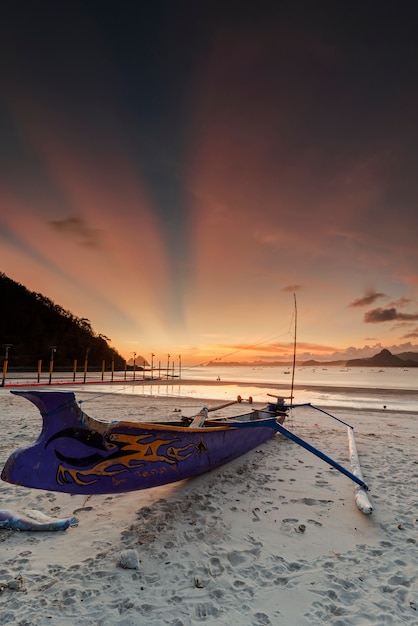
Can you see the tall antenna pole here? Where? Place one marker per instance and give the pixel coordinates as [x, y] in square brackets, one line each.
[294, 351]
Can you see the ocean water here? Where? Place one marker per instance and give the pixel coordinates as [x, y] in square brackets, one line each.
[367, 377]
[372, 388]
[389, 388]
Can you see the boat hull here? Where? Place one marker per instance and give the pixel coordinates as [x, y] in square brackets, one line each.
[81, 455]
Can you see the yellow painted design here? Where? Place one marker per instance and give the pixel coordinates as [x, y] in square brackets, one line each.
[135, 452]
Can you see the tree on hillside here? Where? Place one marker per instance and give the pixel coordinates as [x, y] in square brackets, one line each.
[33, 324]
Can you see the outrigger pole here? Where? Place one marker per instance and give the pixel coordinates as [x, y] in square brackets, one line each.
[273, 423]
[321, 455]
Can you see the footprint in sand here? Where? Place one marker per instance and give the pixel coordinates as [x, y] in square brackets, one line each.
[215, 566]
[241, 585]
[261, 618]
[236, 558]
[206, 609]
[294, 566]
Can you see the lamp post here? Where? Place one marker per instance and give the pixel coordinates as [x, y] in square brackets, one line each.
[113, 364]
[51, 362]
[134, 365]
[179, 366]
[152, 365]
[7, 347]
[86, 361]
[168, 364]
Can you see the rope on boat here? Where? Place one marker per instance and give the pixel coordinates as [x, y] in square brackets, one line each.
[250, 346]
[102, 395]
[317, 408]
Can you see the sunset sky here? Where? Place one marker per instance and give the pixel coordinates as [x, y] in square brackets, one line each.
[175, 171]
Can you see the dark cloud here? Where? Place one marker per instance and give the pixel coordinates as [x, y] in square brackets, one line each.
[76, 229]
[370, 297]
[376, 316]
[292, 288]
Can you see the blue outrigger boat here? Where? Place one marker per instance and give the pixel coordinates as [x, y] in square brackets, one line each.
[78, 454]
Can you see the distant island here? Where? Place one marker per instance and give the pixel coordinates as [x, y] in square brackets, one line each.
[384, 358]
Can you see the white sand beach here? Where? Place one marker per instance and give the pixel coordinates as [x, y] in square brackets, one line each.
[271, 538]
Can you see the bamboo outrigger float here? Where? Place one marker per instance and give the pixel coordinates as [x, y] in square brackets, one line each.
[360, 496]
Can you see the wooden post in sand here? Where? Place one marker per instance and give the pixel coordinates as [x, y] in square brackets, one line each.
[86, 362]
[360, 496]
[51, 363]
[7, 347]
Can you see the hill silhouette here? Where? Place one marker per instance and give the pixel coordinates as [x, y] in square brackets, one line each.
[33, 324]
[384, 358]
